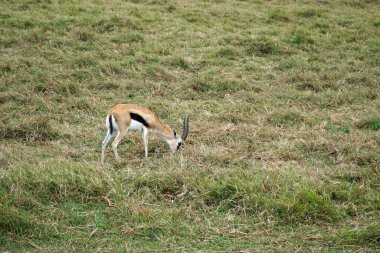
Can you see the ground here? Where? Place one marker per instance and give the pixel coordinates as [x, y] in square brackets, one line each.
[283, 150]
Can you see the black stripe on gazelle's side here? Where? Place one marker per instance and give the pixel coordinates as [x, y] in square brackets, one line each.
[110, 120]
[138, 118]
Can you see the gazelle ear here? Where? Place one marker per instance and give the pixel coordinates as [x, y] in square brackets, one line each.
[175, 133]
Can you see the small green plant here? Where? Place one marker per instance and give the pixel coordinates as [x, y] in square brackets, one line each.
[371, 124]
[334, 128]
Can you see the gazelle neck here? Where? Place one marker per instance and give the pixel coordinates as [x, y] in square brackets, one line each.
[163, 131]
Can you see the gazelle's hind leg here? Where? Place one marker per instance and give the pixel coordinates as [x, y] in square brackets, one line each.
[104, 144]
[120, 135]
[110, 122]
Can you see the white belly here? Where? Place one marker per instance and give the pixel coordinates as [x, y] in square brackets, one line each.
[135, 126]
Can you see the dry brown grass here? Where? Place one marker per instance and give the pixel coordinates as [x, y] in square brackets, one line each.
[283, 146]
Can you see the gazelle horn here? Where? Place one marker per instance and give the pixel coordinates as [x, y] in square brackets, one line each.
[185, 131]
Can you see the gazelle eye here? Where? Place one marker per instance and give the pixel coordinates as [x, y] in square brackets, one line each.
[179, 145]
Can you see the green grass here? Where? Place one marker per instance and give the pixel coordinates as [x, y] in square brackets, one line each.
[284, 126]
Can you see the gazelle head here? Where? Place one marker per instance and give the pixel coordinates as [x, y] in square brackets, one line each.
[175, 142]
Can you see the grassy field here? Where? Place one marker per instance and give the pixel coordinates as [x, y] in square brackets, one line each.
[284, 146]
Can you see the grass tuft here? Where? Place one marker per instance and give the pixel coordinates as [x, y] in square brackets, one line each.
[261, 47]
[300, 37]
[13, 220]
[228, 53]
[308, 13]
[35, 130]
[369, 235]
[288, 118]
[128, 38]
[278, 16]
[179, 62]
[108, 25]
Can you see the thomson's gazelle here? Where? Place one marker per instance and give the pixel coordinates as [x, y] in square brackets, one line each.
[124, 117]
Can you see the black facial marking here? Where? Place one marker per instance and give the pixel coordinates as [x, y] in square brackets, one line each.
[179, 145]
[138, 118]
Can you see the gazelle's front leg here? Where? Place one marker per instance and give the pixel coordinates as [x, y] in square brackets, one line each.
[145, 136]
[120, 135]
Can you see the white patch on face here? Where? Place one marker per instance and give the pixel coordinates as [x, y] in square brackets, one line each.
[173, 144]
[170, 144]
[135, 126]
